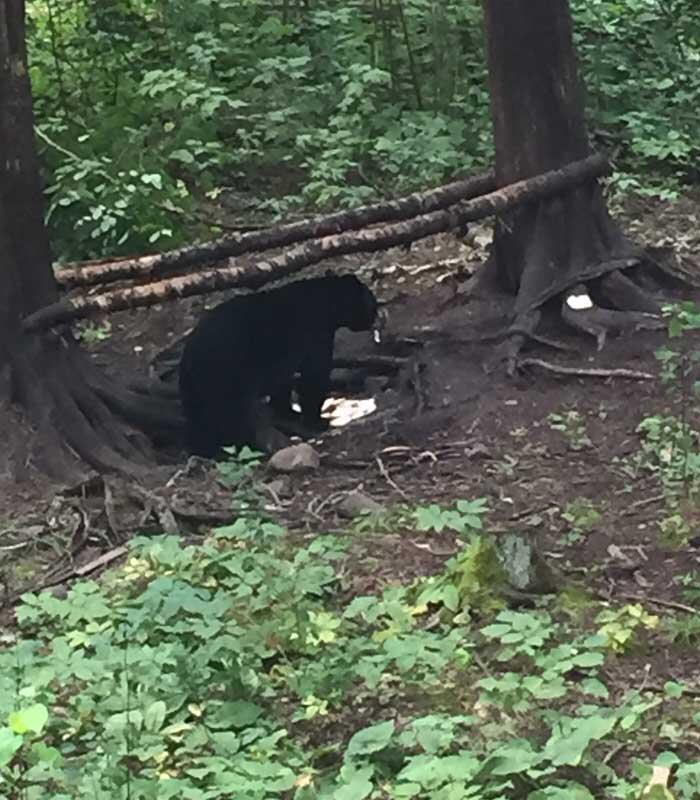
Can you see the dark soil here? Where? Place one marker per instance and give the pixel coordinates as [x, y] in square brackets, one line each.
[445, 429]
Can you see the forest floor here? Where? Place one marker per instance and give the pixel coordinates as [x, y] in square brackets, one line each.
[446, 428]
[556, 457]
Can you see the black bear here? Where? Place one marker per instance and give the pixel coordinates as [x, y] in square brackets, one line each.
[253, 346]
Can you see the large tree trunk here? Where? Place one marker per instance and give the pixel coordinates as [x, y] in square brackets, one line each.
[56, 414]
[545, 248]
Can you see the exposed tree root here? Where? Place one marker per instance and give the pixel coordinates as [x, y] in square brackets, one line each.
[684, 272]
[623, 293]
[373, 365]
[598, 322]
[516, 336]
[152, 407]
[570, 247]
[64, 425]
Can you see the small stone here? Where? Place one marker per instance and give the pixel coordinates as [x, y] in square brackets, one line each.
[280, 487]
[356, 503]
[297, 458]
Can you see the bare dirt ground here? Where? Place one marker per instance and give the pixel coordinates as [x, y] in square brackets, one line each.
[445, 429]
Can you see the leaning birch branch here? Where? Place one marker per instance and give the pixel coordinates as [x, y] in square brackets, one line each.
[255, 275]
[151, 267]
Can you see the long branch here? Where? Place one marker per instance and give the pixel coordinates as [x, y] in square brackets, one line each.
[261, 272]
[156, 266]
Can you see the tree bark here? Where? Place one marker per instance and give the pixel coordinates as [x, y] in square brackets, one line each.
[51, 419]
[542, 249]
[156, 266]
[367, 240]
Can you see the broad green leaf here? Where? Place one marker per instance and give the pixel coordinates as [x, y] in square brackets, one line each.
[32, 719]
[10, 743]
[370, 740]
[155, 716]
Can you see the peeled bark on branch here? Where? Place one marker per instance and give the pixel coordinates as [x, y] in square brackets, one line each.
[369, 240]
[159, 265]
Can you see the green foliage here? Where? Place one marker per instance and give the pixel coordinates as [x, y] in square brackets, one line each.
[690, 582]
[240, 466]
[639, 66]
[465, 518]
[386, 521]
[146, 109]
[520, 632]
[239, 472]
[90, 333]
[669, 449]
[670, 444]
[582, 516]
[474, 579]
[679, 364]
[620, 626]
[684, 630]
[674, 530]
[233, 668]
[570, 423]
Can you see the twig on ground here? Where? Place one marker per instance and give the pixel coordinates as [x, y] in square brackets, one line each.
[657, 601]
[425, 547]
[586, 372]
[647, 501]
[385, 474]
[76, 572]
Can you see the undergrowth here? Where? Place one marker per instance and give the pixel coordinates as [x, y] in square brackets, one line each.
[238, 667]
[149, 113]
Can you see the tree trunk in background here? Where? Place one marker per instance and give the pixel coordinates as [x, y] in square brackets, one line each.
[26, 279]
[542, 249]
[56, 410]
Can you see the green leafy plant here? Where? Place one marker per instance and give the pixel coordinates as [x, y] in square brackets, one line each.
[464, 519]
[621, 627]
[572, 425]
[239, 472]
[90, 333]
[235, 667]
[582, 516]
[675, 530]
[690, 583]
[387, 521]
[684, 630]
[670, 449]
[473, 580]
[519, 632]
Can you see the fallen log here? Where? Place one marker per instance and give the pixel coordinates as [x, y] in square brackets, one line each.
[159, 265]
[265, 271]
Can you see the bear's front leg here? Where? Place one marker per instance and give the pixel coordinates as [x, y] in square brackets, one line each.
[315, 383]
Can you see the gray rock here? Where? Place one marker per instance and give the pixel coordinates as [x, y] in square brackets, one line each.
[356, 503]
[525, 568]
[297, 458]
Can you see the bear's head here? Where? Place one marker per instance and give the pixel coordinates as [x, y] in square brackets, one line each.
[355, 304]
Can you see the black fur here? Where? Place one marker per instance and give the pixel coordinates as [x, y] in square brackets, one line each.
[252, 346]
